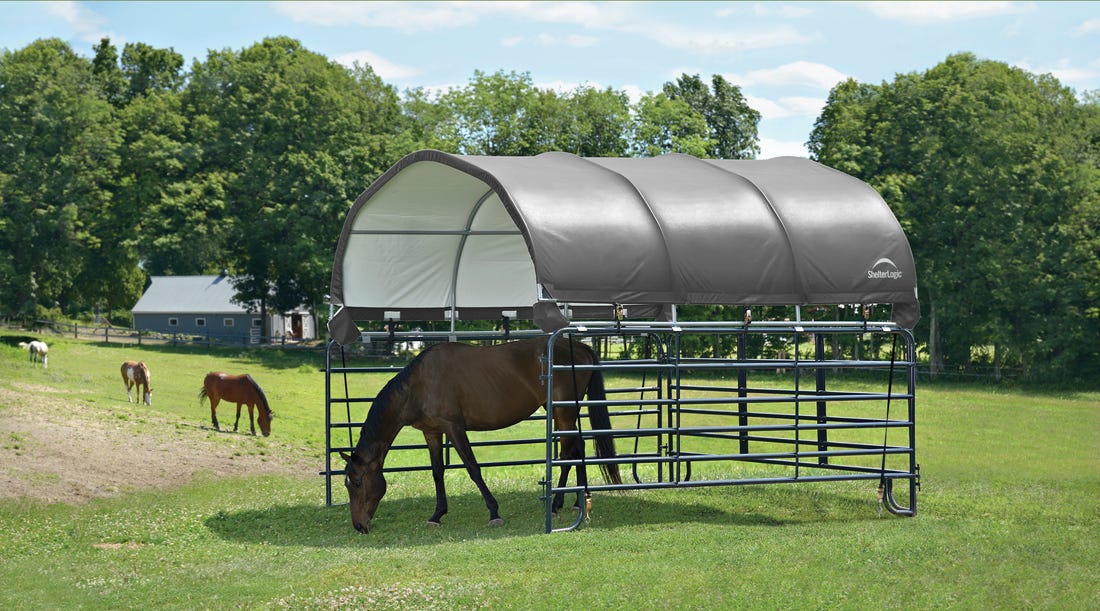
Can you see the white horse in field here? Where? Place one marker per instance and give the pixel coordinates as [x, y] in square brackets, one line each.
[39, 351]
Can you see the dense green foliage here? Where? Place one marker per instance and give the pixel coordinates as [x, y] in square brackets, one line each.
[993, 173]
[1004, 520]
[131, 164]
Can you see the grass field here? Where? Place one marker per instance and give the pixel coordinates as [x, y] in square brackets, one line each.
[1009, 514]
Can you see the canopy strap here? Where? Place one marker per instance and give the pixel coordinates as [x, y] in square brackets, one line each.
[580, 436]
[347, 397]
[886, 427]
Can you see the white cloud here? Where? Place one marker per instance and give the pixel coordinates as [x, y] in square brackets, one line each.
[924, 13]
[770, 148]
[719, 42]
[784, 107]
[633, 92]
[381, 66]
[405, 17]
[87, 24]
[809, 74]
[1088, 28]
[549, 40]
[786, 11]
[1066, 72]
[409, 17]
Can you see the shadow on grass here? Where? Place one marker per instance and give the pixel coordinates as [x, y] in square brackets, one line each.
[403, 522]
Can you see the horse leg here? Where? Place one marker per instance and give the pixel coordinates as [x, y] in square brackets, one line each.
[252, 419]
[129, 398]
[572, 448]
[435, 451]
[238, 421]
[214, 400]
[568, 452]
[466, 453]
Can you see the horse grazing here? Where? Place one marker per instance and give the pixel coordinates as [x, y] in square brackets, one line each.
[242, 390]
[453, 388]
[39, 351]
[135, 374]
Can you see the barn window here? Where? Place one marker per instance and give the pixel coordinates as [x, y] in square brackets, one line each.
[200, 322]
[256, 322]
[227, 322]
[173, 322]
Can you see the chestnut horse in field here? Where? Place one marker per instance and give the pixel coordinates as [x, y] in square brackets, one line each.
[135, 374]
[453, 388]
[239, 389]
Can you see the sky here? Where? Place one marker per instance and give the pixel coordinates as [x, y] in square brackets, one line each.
[785, 56]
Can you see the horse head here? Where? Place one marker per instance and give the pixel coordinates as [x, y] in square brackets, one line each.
[266, 413]
[366, 486]
[265, 418]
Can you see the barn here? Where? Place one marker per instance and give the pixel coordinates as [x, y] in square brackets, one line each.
[203, 306]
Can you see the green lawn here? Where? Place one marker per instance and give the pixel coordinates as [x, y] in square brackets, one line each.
[1008, 517]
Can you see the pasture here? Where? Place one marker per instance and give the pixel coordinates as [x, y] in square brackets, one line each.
[110, 504]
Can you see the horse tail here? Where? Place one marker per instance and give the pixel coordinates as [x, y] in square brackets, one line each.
[600, 418]
[202, 394]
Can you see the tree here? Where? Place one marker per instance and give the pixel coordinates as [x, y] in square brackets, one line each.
[57, 169]
[664, 125]
[731, 122]
[144, 87]
[492, 115]
[599, 123]
[506, 114]
[986, 167]
[288, 140]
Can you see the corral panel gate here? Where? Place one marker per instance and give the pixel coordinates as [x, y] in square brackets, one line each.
[568, 241]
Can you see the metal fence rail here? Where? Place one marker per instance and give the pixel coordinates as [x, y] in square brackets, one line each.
[687, 420]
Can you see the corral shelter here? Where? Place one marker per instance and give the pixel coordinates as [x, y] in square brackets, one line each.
[203, 305]
[555, 236]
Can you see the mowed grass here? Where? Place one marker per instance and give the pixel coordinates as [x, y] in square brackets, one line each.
[1008, 517]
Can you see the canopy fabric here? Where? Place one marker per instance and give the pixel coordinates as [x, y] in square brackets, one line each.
[475, 237]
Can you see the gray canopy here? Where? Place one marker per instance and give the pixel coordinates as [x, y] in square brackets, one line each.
[442, 236]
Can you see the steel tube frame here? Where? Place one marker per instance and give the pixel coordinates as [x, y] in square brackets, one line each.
[811, 455]
[809, 429]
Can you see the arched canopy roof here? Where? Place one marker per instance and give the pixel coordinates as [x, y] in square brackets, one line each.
[441, 235]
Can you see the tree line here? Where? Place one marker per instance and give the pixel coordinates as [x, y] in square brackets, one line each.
[129, 164]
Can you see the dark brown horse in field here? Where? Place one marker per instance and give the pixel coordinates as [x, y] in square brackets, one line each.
[242, 390]
[135, 374]
[453, 388]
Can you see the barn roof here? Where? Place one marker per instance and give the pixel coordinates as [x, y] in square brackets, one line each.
[441, 235]
[188, 295]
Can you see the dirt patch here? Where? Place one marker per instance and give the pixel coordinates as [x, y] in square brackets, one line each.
[53, 449]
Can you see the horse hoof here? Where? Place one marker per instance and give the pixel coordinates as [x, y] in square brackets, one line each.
[496, 522]
[434, 524]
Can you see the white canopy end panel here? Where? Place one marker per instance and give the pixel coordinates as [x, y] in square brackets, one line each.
[443, 236]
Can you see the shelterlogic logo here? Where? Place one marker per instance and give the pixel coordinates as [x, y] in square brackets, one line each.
[884, 269]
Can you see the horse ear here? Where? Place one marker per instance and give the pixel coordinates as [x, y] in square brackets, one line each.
[346, 457]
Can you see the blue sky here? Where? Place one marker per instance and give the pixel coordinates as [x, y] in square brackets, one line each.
[785, 56]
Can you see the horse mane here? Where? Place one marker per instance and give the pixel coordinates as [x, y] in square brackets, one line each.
[259, 391]
[398, 384]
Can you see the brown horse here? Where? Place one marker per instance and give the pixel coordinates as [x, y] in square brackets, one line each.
[453, 388]
[135, 374]
[242, 390]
